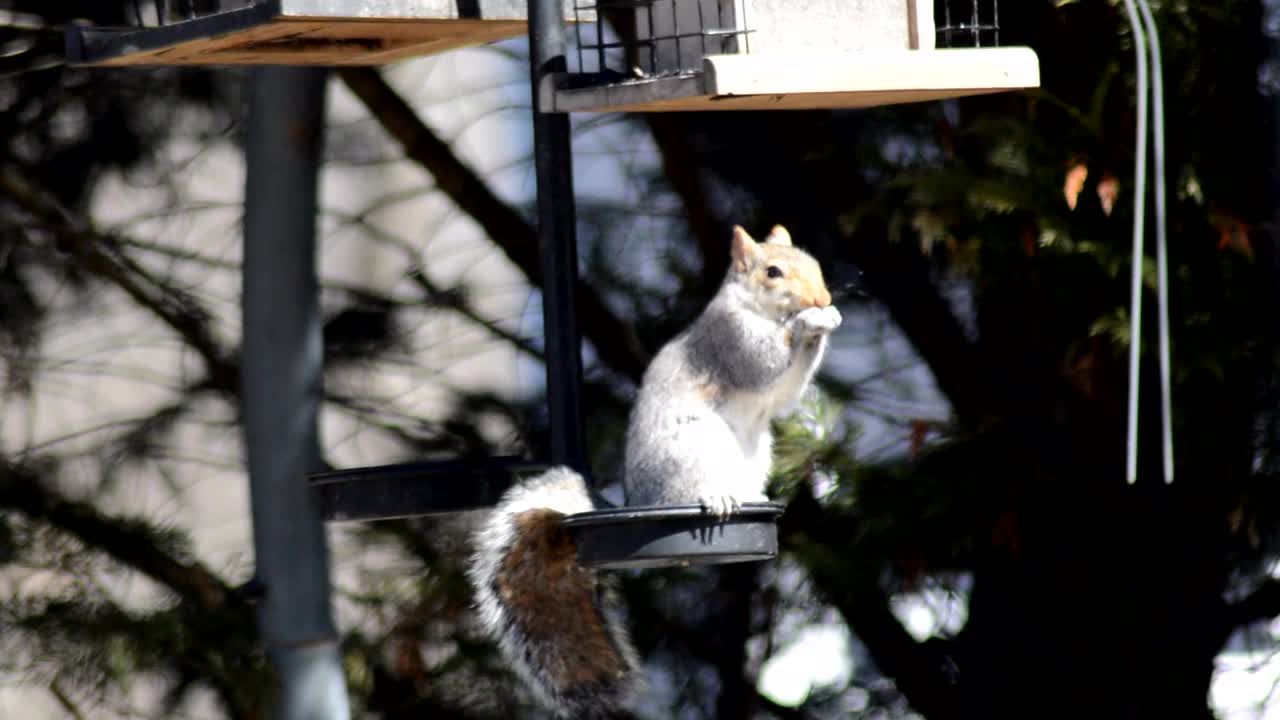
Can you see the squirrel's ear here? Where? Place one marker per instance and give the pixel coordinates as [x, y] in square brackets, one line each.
[744, 249]
[778, 236]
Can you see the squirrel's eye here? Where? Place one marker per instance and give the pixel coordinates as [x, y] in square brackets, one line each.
[774, 271]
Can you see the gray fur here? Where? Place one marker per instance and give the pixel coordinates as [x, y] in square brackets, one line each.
[699, 431]
[539, 663]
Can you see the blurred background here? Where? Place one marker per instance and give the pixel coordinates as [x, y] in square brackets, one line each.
[960, 540]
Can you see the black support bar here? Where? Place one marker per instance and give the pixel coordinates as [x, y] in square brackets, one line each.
[418, 488]
[557, 240]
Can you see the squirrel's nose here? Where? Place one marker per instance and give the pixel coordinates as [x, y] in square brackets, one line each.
[821, 299]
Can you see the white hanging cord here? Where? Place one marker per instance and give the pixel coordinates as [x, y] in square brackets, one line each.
[1162, 240]
[1139, 211]
[1145, 35]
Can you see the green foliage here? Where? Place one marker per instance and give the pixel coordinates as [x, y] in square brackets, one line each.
[115, 647]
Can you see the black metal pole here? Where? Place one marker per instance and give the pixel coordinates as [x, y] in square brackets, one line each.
[557, 240]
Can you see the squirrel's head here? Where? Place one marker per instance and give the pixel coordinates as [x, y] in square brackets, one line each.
[782, 279]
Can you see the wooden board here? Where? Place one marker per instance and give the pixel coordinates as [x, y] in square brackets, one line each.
[921, 31]
[322, 41]
[804, 81]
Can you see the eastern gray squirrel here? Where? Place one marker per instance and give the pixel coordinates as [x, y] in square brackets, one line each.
[699, 433]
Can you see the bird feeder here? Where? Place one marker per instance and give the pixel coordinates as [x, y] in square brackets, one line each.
[295, 32]
[606, 539]
[665, 55]
[797, 54]
[633, 538]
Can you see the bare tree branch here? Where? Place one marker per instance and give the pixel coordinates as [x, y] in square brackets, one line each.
[440, 297]
[669, 134]
[614, 340]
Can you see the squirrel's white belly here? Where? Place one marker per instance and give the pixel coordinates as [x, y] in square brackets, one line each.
[693, 451]
[748, 417]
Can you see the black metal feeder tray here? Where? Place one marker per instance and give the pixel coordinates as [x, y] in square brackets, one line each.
[673, 536]
[415, 489]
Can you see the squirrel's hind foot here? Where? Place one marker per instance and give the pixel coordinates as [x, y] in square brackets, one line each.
[721, 506]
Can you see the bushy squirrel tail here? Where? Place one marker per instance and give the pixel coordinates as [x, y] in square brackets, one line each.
[550, 615]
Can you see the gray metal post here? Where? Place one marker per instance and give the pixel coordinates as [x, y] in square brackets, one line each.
[557, 240]
[281, 387]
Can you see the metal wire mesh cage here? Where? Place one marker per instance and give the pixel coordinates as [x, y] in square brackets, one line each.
[157, 13]
[967, 23]
[656, 38]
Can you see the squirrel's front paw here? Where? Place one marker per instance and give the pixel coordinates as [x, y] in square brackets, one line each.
[819, 320]
[722, 506]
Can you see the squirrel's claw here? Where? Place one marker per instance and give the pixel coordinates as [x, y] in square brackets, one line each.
[722, 506]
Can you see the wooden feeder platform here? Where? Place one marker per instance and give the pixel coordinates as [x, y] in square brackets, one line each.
[304, 32]
[809, 80]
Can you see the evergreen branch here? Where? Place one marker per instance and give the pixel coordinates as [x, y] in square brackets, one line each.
[900, 277]
[711, 649]
[785, 712]
[396, 698]
[738, 584]
[102, 255]
[129, 541]
[917, 669]
[1261, 604]
[614, 340]
[135, 544]
[66, 701]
